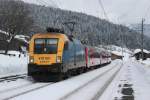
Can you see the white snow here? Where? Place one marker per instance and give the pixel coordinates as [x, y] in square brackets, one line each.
[60, 89]
[139, 50]
[18, 90]
[13, 64]
[146, 67]
[98, 85]
[22, 38]
[19, 37]
[117, 53]
[146, 62]
[133, 73]
[6, 86]
[3, 32]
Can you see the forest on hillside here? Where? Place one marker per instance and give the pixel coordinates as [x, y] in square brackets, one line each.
[92, 30]
[89, 29]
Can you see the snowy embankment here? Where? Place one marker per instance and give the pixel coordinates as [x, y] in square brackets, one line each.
[64, 88]
[131, 83]
[13, 64]
[146, 62]
[146, 66]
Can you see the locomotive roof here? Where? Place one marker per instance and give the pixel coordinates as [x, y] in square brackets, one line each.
[50, 35]
[56, 30]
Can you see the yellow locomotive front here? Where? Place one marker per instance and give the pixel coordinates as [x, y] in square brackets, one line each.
[45, 53]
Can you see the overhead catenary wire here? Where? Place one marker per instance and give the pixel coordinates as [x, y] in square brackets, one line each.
[142, 29]
[107, 18]
[104, 11]
[46, 3]
[40, 2]
[147, 12]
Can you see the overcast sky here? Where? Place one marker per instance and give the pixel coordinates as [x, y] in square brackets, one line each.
[118, 11]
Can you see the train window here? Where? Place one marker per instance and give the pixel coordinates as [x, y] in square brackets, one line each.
[39, 41]
[46, 46]
[51, 41]
[39, 45]
[51, 46]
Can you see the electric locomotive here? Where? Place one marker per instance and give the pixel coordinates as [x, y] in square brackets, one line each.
[55, 55]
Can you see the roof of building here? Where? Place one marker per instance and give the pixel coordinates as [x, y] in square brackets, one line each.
[117, 53]
[139, 50]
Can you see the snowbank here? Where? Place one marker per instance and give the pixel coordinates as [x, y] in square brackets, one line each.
[132, 75]
[146, 62]
[146, 66]
[12, 64]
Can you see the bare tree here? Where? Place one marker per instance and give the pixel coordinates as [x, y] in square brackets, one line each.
[14, 19]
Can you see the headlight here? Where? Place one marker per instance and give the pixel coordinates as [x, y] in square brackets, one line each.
[31, 60]
[58, 59]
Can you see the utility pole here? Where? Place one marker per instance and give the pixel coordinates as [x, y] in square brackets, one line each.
[122, 45]
[142, 32]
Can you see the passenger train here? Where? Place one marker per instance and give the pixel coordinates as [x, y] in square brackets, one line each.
[55, 56]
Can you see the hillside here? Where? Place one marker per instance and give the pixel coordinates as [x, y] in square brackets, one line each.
[117, 10]
[90, 29]
[138, 26]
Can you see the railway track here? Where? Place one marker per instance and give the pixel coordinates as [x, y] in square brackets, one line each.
[91, 89]
[89, 86]
[84, 90]
[13, 77]
[14, 92]
[16, 85]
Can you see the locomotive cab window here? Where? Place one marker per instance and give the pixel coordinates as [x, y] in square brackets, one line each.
[46, 46]
[39, 46]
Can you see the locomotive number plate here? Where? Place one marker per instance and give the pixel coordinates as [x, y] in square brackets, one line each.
[44, 58]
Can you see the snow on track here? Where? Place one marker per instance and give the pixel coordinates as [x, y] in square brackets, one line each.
[12, 86]
[13, 77]
[95, 88]
[22, 90]
[59, 90]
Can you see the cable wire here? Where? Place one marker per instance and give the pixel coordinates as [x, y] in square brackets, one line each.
[147, 12]
[43, 2]
[105, 14]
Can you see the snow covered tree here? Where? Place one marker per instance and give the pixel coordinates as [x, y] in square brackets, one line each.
[14, 19]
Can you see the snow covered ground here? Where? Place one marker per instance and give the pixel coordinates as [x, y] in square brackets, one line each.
[61, 89]
[146, 62]
[131, 81]
[146, 66]
[133, 75]
[128, 79]
[11, 65]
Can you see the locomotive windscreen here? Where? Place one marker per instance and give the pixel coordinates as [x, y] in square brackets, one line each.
[45, 46]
